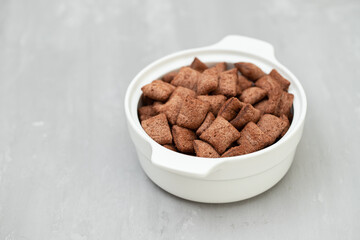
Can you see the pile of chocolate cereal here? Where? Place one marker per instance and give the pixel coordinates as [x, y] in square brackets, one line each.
[217, 112]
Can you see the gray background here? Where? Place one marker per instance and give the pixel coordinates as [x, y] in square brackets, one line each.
[68, 169]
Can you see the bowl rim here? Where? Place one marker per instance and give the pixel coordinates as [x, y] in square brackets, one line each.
[273, 61]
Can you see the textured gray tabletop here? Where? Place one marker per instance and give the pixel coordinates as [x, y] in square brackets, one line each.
[68, 169]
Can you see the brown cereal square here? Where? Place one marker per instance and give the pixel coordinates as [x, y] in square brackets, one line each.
[145, 100]
[287, 123]
[220, 67]
[252, 139]
[216, 101]
[230, 108]
[157, 103]
[198, 65]
[285, 104]
[170, 147]
[252, 95]
[247, 114]
[235, 151]
[283, 82]
[157, 128]
[183, 139]
[249, 70]
[208, 81]
[227, 83]
[146, 112]
[273, 90]
[172, 107]
[183, 92]
[272, 126]
[192, 113]
[220, 134]
[206, 123]
[186, 77]
[169, 76]
[203, 149]
[238, 90]
[268, 84]
[158, 90]
[244, 83]
[262, 106]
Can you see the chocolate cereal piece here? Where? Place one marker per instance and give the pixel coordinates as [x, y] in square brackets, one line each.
[192, 113]
[158, 90]
[249, 70]
[157, 128]
[283, 82]
[285, 104]
[220, 134]
[238, 90]
[172, 107]
[269, 84]
[216, 101]
[271, 126]
[250, 143]
[198, 65]
[183, 92]
[234, 151]
[146, 112]
[262, 106]
[203, 149]
[183, 139]
[243, 82]
[247, 114]
[251, 139]
[252, 95]
[208, 81]
[145, 100]
[169, 76]
[273, 90]
[170, 147]
[157, 103]
[227, 83]
[186, 77]
[220, 67]
[206, 123]
[287, 122]
[230, 108]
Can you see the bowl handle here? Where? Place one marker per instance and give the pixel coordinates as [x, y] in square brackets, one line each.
[247, 45]
[169, 160]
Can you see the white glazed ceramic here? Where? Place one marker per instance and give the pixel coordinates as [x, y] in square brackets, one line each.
[218, 180]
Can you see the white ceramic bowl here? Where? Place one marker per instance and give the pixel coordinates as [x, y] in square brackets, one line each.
[218, 180]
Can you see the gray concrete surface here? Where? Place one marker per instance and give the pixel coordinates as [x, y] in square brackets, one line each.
[67, 167]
